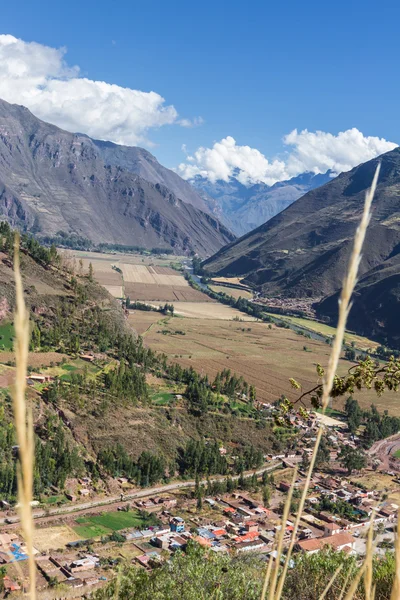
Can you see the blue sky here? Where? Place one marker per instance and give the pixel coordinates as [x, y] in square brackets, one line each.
[254, 71]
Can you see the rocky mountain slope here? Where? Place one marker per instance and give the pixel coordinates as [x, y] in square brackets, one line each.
[142, 162]
[52, 180]
[303, 251]
[243, 208]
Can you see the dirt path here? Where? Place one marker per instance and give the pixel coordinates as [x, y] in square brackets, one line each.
[384, 450]
[114, 501]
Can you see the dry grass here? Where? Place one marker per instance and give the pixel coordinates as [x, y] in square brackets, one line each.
[51, 538]
[234, 292]
[23, 420]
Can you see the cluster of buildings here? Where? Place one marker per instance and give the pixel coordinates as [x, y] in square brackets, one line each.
[80, 571]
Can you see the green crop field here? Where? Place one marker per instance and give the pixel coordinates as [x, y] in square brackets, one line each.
[89, 530]
[162, 398]
[6, 336]
[106, 523]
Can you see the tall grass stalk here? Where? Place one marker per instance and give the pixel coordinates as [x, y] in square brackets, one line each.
[23, 419]
[350, 280]
[349, 284]
[396, 585]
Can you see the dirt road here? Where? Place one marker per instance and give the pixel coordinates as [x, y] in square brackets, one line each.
[115, 501]
[384, 450]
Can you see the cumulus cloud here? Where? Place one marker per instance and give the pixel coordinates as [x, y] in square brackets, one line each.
[39, 77]
[305, 151]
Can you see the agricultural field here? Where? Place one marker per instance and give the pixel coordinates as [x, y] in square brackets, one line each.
[106, 523]
[229, 291]
[359, 341]
[163, 293]
[6, 336]
[210, 310]
[142, 278]
[231, 280]
[51, 538]
[265, 355]
[36, 359]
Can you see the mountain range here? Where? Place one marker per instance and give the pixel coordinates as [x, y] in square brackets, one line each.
[303, 252]
[245, 207]
[52, 180]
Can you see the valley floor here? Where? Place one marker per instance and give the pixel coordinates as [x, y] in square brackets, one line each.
[267, 356]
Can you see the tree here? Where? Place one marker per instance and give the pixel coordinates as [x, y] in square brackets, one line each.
[90, 275]
[353, 459]
[305, 462]
[199, 500]
[323, 454]
[266, 494]
[354, 414]
[350, 354]
[252, 394]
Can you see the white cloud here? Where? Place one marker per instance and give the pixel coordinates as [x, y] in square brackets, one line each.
[38, 77]
[196, 122]
[320, 151]
[316, 152]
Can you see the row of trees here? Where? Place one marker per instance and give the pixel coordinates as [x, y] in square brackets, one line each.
[55, 459]
[378, 426]
[146, 471]
[39, 253]
[196, 459]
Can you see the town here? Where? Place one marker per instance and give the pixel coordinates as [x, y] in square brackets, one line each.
[79, 545]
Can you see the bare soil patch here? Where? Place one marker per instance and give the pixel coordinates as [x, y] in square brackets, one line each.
[51, 538]
[149, 275]
[115, 290]
[163, 293]
[209, 310]
[35, 359]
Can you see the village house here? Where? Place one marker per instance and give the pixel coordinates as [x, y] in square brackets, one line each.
[37, 378]
[83, 564]
[87, 357]
[177, 524]
[337, 542]
[250, 546]
[10, 585]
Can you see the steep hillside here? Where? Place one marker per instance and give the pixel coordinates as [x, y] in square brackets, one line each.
[303, 251]
[52, 180]
[98, 412]
[142, 162]
[376, 303]
[243, 208]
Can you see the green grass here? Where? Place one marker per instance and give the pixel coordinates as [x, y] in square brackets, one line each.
[65, 377]
[162, 398]
[332, 412]
[69, 367]
[98, 525]
[54, 499]
[89, 531]
[6, 336]
[397, 454]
